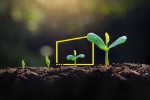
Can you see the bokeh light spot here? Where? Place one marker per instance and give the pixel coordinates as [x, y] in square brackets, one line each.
[32, 26]
[46, 50]
[16, 14]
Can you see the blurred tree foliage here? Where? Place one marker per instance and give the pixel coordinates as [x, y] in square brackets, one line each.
[25, 23]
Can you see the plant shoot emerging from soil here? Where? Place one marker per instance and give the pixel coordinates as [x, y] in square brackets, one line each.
[23, 64]
[47, 62]
[74, 57]
[104, 46]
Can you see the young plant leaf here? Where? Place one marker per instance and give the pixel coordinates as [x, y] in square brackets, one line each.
[80, 56]
[118, 41]
[47, 61]
[107, 38]
[75, 53]
[71, 57]
[96, 39]
[23, 64]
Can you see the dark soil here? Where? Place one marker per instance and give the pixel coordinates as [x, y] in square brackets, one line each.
[125, 81]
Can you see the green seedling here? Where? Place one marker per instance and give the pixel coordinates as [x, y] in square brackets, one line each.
[104, 46]
[47, 62]
[23, 64]
[74, 57]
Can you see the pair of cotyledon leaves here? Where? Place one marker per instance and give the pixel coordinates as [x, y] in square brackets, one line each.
[71, 57]
[100, 43]
[74, 57]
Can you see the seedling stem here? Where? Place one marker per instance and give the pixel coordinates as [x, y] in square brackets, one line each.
[75, 54]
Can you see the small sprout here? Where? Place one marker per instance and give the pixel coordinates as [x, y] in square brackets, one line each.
[23, 64]
[47, 62]
[74, 57]
[104, 46]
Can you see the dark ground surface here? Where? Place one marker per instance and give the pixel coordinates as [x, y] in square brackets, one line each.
[118, 82]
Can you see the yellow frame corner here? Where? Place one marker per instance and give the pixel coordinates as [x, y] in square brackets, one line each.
[72, 39]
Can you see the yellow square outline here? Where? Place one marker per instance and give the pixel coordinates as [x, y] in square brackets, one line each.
[66, 40]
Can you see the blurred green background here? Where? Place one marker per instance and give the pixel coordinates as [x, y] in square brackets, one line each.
[29, 29]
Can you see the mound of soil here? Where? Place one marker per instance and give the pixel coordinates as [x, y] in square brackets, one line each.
[125, 81]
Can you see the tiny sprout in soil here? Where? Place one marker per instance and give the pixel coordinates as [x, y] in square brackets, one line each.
[23, 64]
[47, 62]
[104, 46]
[74, 57]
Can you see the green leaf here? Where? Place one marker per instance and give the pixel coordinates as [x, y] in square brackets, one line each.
[47, 60]
[71, 57]
[80, 56]
[96, 39]
[23, 64]
[118, 41]
[107, 38]
[75, 53]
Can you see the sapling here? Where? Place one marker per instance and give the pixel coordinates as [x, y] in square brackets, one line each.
[74, 57]
[47, 62]
[23, 64]
[104, 46]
